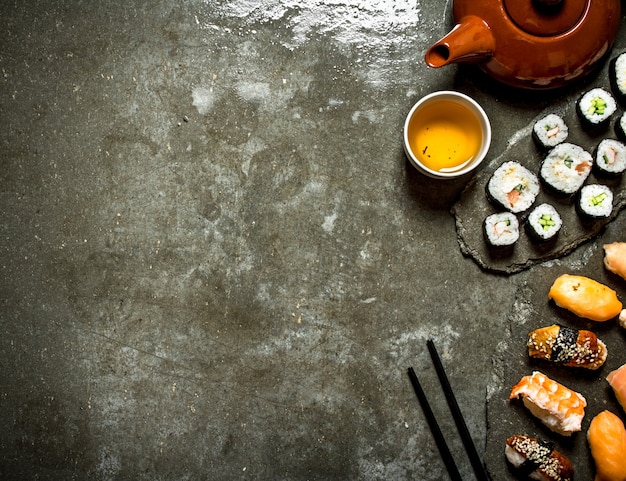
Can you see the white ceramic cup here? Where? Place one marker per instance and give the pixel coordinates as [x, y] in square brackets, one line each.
[448, 103]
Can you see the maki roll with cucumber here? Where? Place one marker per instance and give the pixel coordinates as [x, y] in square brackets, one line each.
[566, 168]
[513, 187]
[544, 222]
[617, 76]
[610, 157]
[501, 229]
[595, 202]
[550, 131]
[595, 108]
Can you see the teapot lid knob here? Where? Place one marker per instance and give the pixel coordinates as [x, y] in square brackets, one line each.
[546, 18]
[549, 3]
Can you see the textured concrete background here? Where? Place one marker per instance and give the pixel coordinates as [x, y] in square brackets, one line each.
[216, 260]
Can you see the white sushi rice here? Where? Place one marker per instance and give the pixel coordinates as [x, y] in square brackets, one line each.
[611, 156]
[514, 187]
[501, 229]
[566, 168]
[596, 201]
[620, 126]
[587, 108]
[545, 221]
[551, 130]
[620, 73]
[515, 458]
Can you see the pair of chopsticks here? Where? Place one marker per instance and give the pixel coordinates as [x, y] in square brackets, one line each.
[477, 464]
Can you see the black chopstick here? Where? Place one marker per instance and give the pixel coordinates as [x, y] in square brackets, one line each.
[434, 428]
[477, 464]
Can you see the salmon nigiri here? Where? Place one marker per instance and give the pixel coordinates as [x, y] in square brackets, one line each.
[617, 380]
[555, 405]
[615, 258]
[607, 440]
[585, 297]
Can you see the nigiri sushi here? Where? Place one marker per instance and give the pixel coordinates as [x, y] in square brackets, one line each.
[615, 258]
[617, 380]
[567, 346]
[585, 297]
[537, 459]
[556, 406]
[607, 440]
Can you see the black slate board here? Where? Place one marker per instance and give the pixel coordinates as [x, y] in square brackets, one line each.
[473, 206]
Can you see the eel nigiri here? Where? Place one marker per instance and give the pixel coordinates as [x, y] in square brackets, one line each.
[615, 258]
[585, 297]
[617, 380]
[537, 459]
[607, 440]
[555, 405]
[567, 346]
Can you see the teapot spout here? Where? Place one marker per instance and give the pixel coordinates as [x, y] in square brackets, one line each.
[470, 41]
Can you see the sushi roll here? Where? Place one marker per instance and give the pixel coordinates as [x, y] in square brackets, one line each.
[544, 222]
[607, 440]
[585, 297]
[513, 187]
[610, 157]
[565, 168]
[617, 381]
[537, 459]
[501, 229]
[620, 127]
[550, 131]
[567, 346]
[617, 76]
[595, 202]
[558, 407]
[595, 108]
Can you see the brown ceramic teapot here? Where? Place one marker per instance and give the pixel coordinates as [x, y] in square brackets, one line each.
[535, 44]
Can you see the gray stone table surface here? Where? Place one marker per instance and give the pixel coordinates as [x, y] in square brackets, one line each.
[217, 262]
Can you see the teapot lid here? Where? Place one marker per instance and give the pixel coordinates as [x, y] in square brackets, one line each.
[545, 18]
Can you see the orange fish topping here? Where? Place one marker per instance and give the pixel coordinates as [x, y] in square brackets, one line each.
[585, 297]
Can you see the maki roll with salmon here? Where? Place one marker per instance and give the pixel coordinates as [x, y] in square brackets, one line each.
[565, 168]
[513, 187]
[550, 131]
[595, 108]
[544, 222]
[617, 77]
[537, 459]
[596, 201]
[501, 229]
[610, 157]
